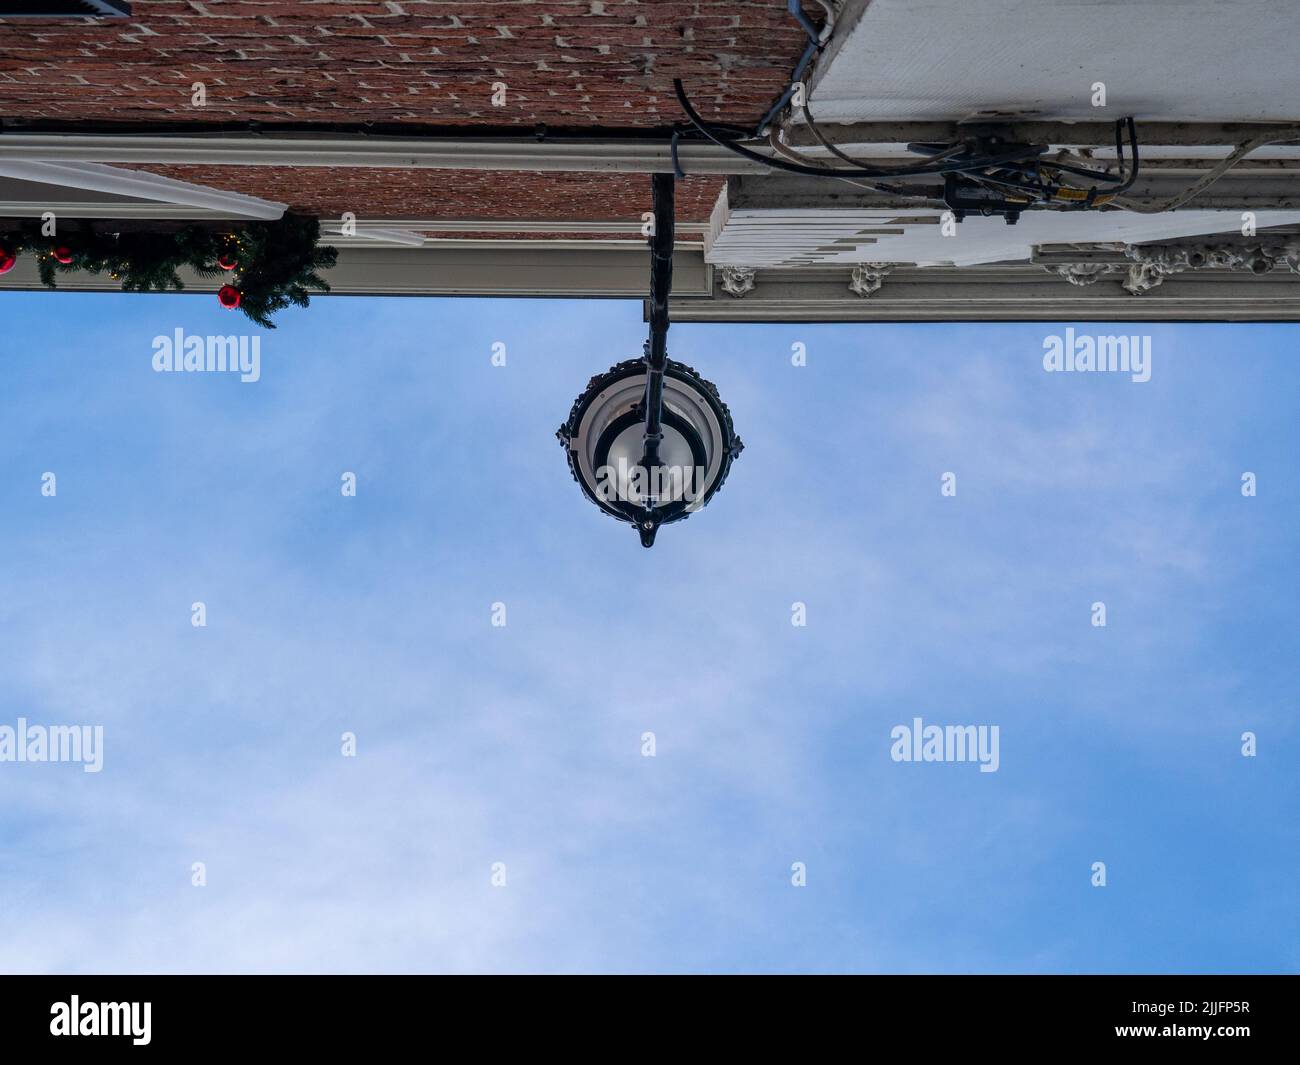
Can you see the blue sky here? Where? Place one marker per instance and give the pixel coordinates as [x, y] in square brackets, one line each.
[522, 744]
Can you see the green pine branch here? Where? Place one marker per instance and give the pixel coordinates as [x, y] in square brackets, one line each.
[277, 262]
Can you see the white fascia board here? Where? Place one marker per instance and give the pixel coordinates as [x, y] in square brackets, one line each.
[490, 268]
[614, 156]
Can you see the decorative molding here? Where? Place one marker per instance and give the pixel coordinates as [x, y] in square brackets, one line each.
[1001, 292]
[737, 280]
[1082, 274]
[868, 277]
[1143, 277]
[1148, 265]
[1152, 263]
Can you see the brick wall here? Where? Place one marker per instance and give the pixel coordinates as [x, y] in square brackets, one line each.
[580, 63]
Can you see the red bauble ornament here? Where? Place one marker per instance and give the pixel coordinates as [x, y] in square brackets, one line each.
[227, 261]
[62, 253]
[7, 260]
[229, 297]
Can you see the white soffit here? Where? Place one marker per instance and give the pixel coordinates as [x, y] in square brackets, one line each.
[1160, 60]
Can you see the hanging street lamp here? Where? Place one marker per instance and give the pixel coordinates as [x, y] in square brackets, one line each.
[650, 441]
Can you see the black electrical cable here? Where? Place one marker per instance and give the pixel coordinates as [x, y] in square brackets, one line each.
[954, 166]
[796, 9]
[1045, 193]
[786, 96]
[814, 46]
[948, 160]
[1128, 171]
[945, 151]
[1119, 151]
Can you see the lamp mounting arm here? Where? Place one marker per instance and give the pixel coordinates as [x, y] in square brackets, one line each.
[656, 349]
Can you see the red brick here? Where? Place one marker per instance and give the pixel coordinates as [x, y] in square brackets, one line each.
[453, 195]
[360, 58]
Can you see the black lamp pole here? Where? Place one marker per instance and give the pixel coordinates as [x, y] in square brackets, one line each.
[656, 348]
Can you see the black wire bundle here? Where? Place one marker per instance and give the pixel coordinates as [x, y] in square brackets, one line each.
[1014, 170]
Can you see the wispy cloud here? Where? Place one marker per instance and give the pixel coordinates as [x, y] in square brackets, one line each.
[522, 745]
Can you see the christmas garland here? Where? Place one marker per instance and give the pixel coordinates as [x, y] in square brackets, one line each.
[271, 264]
